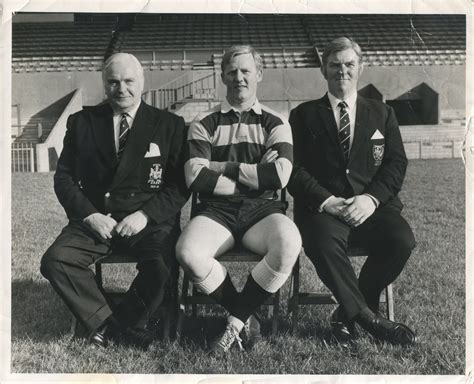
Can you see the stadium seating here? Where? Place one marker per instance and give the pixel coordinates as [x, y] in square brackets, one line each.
[387, 39]
[60, 39]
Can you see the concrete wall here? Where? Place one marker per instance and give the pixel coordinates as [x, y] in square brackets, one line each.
[308, 83]
[47, 153]
[35, 91]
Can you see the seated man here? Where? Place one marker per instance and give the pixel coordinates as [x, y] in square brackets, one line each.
[120, 180]
[240, 153]
[349, 167]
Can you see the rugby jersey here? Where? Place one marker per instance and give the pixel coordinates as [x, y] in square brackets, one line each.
[225, 148]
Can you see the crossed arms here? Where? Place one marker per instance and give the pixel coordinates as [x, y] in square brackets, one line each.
[219, 176]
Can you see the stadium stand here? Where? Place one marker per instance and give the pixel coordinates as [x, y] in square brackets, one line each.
[413, 62]
[288, 39]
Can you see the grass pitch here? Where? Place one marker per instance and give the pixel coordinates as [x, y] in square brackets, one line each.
[429, 296]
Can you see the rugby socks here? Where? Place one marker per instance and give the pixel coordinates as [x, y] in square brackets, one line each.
[218, 285]
[236, 322]
[262, 282]
[267, 278]
[214, 278]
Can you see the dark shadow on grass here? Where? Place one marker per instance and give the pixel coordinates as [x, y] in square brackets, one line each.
[200, 331]
[37, 312]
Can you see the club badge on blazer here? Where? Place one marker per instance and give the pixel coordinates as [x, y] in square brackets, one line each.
[377, 149]
[377, 152]
[154, 178]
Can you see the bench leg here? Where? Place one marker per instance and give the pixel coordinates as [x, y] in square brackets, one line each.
[182, 306]
[276, 312]
[74, 326]
[294, 300]
[167, 325]
[390, 305]
[179, 323]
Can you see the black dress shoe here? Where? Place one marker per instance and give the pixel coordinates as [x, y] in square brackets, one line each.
[137, 337]
[343, 330]
[389, 331]
[102, 336]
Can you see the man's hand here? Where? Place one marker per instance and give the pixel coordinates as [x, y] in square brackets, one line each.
[269, 156]
[217, 166]
[132, 224]
[101, 224]
[334, 206]
[357, 209]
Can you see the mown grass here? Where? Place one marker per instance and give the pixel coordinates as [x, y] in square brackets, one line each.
[429, 295]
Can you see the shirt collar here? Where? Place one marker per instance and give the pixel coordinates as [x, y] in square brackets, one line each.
[131, 114]
[226, 107]
[350, 101]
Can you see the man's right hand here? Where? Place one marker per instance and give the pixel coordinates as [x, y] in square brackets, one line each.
[102, 224]
[334, 206]
[270, 156]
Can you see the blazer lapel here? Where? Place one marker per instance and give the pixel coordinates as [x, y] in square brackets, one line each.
[103, 128]
[361, 128]
[329, 123]
[142, 130]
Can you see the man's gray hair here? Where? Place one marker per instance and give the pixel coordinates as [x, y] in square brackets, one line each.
[237, 50]
[340, 44]
[120, 56]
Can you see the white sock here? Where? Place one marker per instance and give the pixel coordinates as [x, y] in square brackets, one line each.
[270, 280]
[236, 323]
[214, 278]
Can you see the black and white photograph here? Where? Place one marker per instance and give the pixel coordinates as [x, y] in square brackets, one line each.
[213, 192]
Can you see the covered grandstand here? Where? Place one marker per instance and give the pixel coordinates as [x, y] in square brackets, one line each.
[415, 63]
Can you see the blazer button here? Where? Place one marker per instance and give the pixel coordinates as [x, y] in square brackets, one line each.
[107, 194]
[347, 171]
[132, 194]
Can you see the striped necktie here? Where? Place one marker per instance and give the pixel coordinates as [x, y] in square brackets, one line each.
[123, 133]
[344, 131]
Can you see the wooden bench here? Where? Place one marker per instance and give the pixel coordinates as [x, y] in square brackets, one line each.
[298, 298]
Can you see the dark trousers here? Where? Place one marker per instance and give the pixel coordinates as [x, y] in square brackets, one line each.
[66, 264]
[386, 235]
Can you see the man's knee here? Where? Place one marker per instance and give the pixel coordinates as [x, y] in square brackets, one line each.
[285, 247]
[324, 236]
[50, 262]
[407, 239]
[401, 240]
[192, 256]
[317, 245]
[185, 252]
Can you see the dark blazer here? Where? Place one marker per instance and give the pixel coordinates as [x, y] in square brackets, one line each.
[150, 175]
[376, 165]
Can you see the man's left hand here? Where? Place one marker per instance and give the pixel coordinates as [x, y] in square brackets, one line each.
[358, 209]
[132, 224]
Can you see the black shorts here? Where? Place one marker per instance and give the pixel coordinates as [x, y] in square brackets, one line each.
[239, 215]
